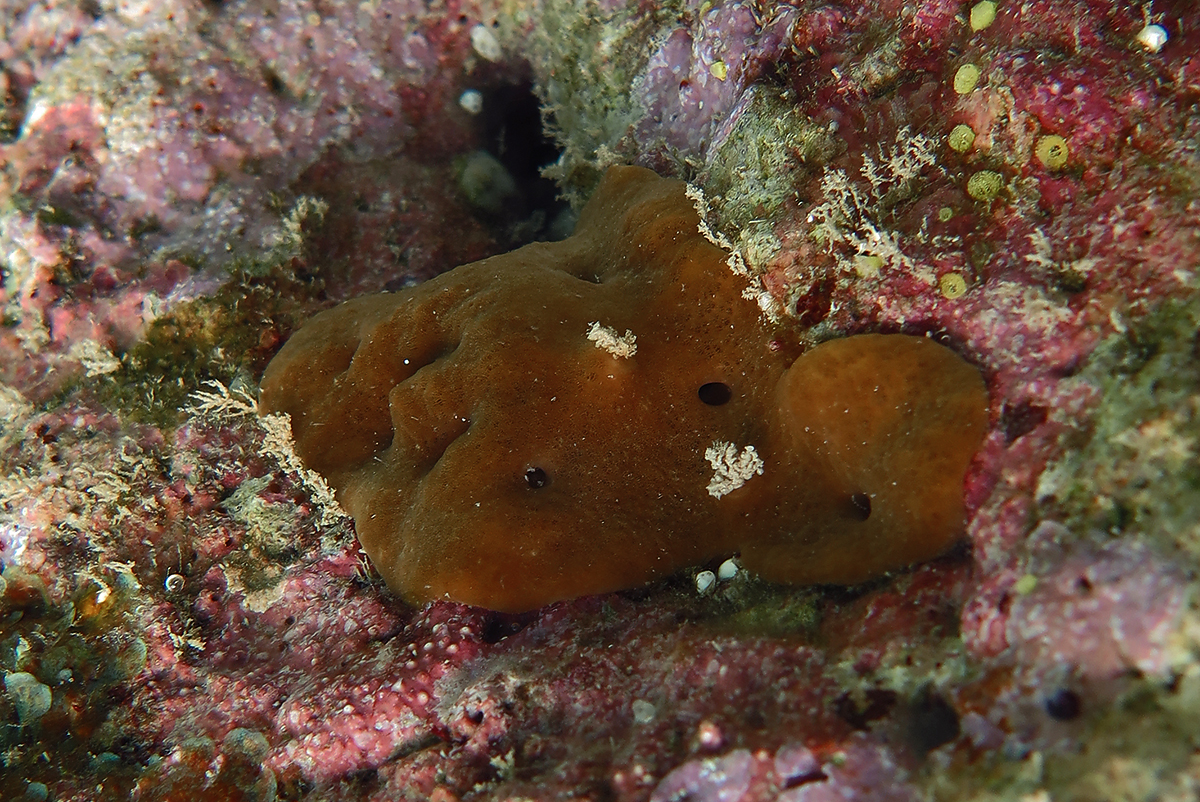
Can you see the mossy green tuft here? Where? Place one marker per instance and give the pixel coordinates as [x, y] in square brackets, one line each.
[755, 169]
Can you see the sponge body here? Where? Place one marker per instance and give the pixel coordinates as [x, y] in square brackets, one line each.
[490, 452]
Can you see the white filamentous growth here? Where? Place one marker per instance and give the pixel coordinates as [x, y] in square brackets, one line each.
[731, 469]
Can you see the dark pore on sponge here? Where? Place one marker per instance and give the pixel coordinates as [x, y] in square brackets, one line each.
[587, 415]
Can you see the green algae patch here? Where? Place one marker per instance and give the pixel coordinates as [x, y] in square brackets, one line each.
[218, 337]
[755, 170]
[588, 105]
[966, 79]
[784, 615]
[952, 286]
[749, 606]
[983, 14]
[1135, 467]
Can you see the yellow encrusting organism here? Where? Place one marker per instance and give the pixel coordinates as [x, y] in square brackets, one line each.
[985, 185]
[952, 285]
[1052, 151]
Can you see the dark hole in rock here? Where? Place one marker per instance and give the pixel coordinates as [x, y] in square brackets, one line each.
[814, 776]
[934, 722]
[1064, 705]
[814, 306]
[1020, 419]
[363, 778]
[715, 393]
[875, 704]
[536, 478]
[513, 131]
[499, 626]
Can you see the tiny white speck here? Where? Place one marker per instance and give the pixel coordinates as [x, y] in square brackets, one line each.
[643, 711]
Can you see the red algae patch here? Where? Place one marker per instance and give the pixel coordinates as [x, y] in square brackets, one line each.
[588, 415]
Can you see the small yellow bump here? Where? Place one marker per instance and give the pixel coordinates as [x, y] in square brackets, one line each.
[966, 79]
[1025, 585]
[1052, 151]
[985, 185]
[952, 285]
[983, 14]
[961, 138]
[945, 214]
[718, 70]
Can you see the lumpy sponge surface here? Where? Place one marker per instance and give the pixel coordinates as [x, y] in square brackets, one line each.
[587, 415]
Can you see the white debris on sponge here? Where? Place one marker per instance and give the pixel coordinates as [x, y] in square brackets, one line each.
[731, 469]
[622, 346]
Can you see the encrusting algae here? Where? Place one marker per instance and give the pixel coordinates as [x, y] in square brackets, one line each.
[493, 453]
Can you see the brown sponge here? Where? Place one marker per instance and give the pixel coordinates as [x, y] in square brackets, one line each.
[584, 416]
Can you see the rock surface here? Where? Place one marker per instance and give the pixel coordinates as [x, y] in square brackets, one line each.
[183, 182]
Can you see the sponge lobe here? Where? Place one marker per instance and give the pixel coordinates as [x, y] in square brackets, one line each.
[427, 409]
[886, 426]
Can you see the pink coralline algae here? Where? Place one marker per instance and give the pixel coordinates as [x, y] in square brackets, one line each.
[184, 614]
[161, 134]
[695, 77]
[1136, 593]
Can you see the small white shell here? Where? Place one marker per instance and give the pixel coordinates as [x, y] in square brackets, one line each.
[1152, 37]
[485, 43]
[704, 581]
[173, 583]
[728, 570]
